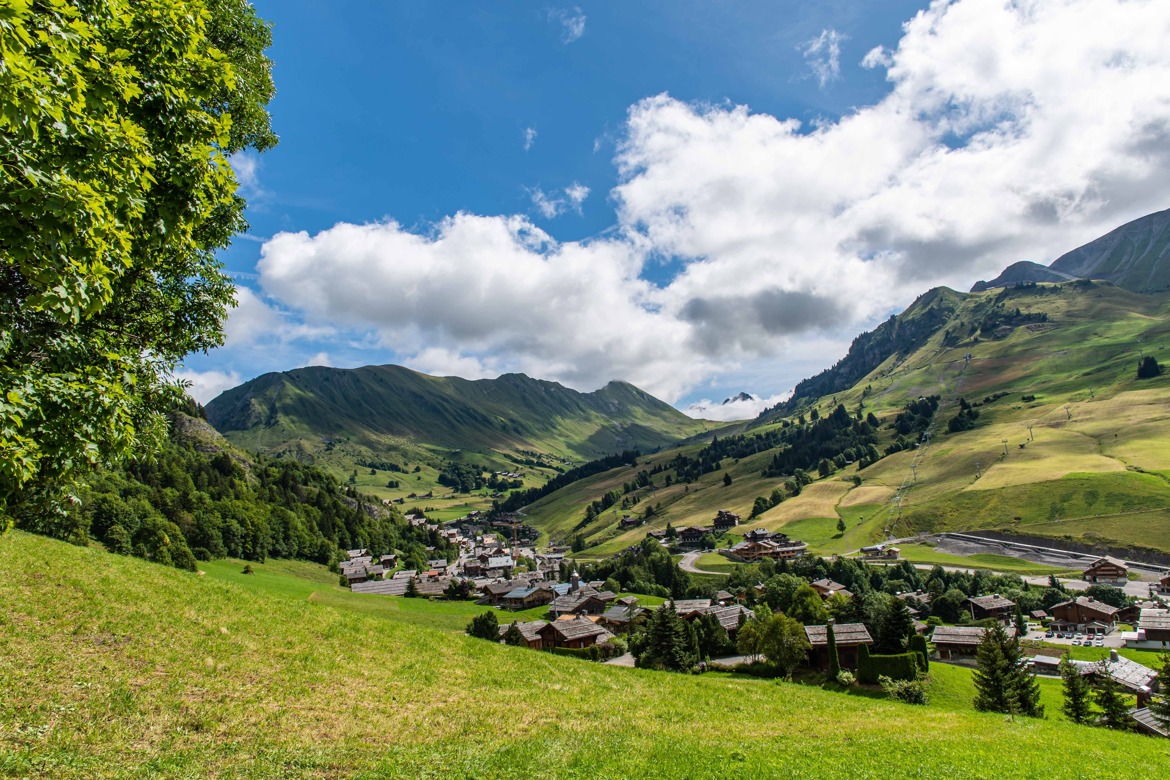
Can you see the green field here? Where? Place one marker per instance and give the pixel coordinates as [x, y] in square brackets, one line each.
[113, 667]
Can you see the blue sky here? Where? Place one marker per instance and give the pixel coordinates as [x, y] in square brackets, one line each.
[699, 197]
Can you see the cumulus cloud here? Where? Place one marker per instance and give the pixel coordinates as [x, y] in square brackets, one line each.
[823, 55]
[1010, 131]
[529, 137]
[206, 385]
[572, 23]
[743, 406]
[246, 166]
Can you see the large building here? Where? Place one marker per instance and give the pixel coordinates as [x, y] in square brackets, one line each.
[1107, 571]
[847, 636]
[1084, 614]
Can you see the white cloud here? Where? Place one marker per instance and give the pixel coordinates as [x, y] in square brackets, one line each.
[438, 361]
[823, 55]
[572, 23]
[550, 206]
[246, 166]
[205, 385]
[734, 408]
[529, 137]
[1011, 131]
[320, 359]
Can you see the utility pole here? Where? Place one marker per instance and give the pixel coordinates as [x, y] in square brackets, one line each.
[914, 471]
[1005, 443]
[978, 472]
[1068, 410]
[1030, 436]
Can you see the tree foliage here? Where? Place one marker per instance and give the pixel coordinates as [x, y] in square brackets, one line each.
[117, 120]
[1077, 705]
[1002, 682]
[485, 626]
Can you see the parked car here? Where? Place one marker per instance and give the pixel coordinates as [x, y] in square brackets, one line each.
[1100, 642]
[1049, 634]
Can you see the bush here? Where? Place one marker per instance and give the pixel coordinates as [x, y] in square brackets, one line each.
[602, 652]
[908, 691]
[899, 666]
[918, 645]
[846, 678]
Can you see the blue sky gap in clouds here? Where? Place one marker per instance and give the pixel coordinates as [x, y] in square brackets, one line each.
[698, 197]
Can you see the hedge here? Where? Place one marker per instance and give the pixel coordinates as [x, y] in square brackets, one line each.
[900, 666]
[601, 652]
[918, 645]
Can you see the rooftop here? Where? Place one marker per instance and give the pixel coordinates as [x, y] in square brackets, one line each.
[844, 634]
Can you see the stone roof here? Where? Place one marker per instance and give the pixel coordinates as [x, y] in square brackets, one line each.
[381, 587]
[684, 606]
[1090, 603]
[995, 601]
[1129, 674]
[845, 634]
[530, 630]
[963, 635]
[1154, 618]
[1149, 723]
[1107, 559]
[577, 628]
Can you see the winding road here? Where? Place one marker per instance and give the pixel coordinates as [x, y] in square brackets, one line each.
[687, 563]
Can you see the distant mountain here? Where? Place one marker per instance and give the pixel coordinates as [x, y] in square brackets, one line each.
[390, 408]
[741, 398]
[1135, 257]
[1021, 273]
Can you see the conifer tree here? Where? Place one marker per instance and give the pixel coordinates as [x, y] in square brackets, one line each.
[896, 627]
[1002, 683]
[411, 589]
[1021, 624]
[834, 660]
[1107, 695]
[513, 636]
[1077, 701]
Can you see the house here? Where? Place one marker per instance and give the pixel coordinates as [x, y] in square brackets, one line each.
[391, 587]
[494, 592]
[1146, 722]
[500, 563]
[848, 636]
[881, 552]
[757, 535]
[531, 632]
[724, 596]
[779, 547]
[725, 521]
[573, 632]
[1162, 587]
[1107, 571]
[528, 597]
[692, 534]
[995, 607]
[621, 617]
[828, 587]
[1153, 631]
[630, 522]
[584, 600]
[351, 554]
[1132, 676]
[954, 642]
[1084, 614]
[688, 608]
[388, 561]
[1038, 615]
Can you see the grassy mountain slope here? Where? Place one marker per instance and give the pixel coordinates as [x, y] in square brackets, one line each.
[241, 679]
[1098, 469]
[1135, 256]
[390, 409]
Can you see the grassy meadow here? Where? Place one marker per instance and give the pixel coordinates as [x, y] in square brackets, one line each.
[121, 668]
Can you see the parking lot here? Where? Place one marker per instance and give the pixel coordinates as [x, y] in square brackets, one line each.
[1037, 634]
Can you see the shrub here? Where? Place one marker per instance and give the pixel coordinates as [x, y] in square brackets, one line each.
[248, 569]
[899, 666]
[846, 678]
[908, 691]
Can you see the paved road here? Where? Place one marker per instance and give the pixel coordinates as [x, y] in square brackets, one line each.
[687, 563]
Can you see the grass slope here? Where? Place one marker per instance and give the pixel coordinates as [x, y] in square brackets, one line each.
[1094, 468]
[126, 669]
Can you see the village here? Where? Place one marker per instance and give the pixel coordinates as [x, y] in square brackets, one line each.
[594, 620]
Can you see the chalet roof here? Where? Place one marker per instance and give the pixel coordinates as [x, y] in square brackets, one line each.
[577, 628]
[1107, 560]
[1089, 603]
[431, 587]
[728, 617]
[963, 635]
[405, 574]
[1038, 614]
[1149, 722]
[500, 588]
[684, 606]
[622, 614]
[519, 593]
[995, 601]
[1154, 618]
[722, 595]
[1130, 674]
[845, 634]
[530, 630]
[500, 562]
[828, 584]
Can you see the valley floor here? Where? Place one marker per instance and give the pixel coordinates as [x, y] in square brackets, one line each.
[112, 667]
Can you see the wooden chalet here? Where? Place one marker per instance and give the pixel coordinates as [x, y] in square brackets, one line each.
[1107, 571]
[827, 587]
[531, 632]
[995, 607]
[692, 534]
[953, 642]
[725, 521]
[779, 547]
[1152, 630]
[848, 637]
[1084, 614]
[525, 597]
[572, 632]
[621, 617]
[1162, 588]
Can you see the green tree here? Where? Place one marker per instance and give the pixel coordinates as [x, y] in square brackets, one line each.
[1002, 683]
[895, 627]
[1160, 705]
[726, 479]
[513, 636]
[841, 525]
[1107, 696]
[411, 589]
[485, 626]
[783, 641]
[1077, 689]
[1021, 624]
[117, 122]
[1148, 368]
[834, 659]
[671, 643]
[807, 607]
